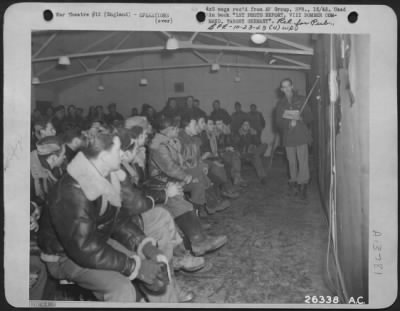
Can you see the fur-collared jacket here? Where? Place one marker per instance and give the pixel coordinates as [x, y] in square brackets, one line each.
[86, 210]
[166, 162]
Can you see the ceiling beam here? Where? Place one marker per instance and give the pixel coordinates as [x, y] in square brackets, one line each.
[44, 45]
[289, 43]
[216, 38]
[201, 56]
[256, 66]
[44, 70]
[206, 47]
[193, 36]
[182, 45]
[85, 68]
[85, 49]
[219, 56]
[86, 74]
[167, 34]
[289, 60]
[102, 53]
[115, 48]
[151, 68]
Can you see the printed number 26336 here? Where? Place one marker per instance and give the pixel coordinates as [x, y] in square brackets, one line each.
[321, 299]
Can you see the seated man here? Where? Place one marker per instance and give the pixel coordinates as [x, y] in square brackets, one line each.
[166, 165]
[248, 143]
[73, 140]
[156, 221]
[194, 165]
[216, 171]
[41, 128]
[46, 162]
[37, 270]
[230, 156]
[88, 237]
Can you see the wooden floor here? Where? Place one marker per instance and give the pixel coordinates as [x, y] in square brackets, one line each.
[276, 251]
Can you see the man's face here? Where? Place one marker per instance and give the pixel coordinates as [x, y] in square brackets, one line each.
[129, 154]
[172, 132]
[238, 107]
[220, 125]
[77, 143]
[141, 140]
[210, 125]
[112, 109]
[96, 125]
[60, 114]
[48, 130]
[196, 103]
[287, 88]
[246, 126]
[113, 156]
[216, 105]
[191, 128]
[253, 108]
[172, 104]
[56, 160]
[189, 102]
[201, 124]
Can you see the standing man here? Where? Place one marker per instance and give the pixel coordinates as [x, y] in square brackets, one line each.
[219, 113]
[238, 117]
[113, 114]
[256, 119]
[296, 136]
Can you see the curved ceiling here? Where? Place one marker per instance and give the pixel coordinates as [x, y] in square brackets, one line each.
[102, 52]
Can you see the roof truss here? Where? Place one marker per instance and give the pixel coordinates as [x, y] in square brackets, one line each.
[222, 45]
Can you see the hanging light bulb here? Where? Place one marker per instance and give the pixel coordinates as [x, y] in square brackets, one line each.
[35, 80]
[172, 44]
[215, 67]
[143, 82]
[64, 60]
[258, 38]
[237, 77]
[100, 87]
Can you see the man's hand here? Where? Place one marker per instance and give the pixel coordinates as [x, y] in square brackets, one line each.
[188, 179]
[296, 115]
[292, 115]
[140, 157]
[33, 278]
[151, 252]
[206, 155]
[173, 189]
[34, 226]
[149, 271]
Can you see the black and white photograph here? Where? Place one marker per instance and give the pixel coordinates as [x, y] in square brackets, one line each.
[201, 168]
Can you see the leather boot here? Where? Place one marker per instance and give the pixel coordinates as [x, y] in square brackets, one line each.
[201, 243]
[293, 190]
[303, 191]
[214, 203]
[201, 214]
[187, 262]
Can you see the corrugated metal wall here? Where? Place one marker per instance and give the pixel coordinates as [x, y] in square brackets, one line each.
[351, 153]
